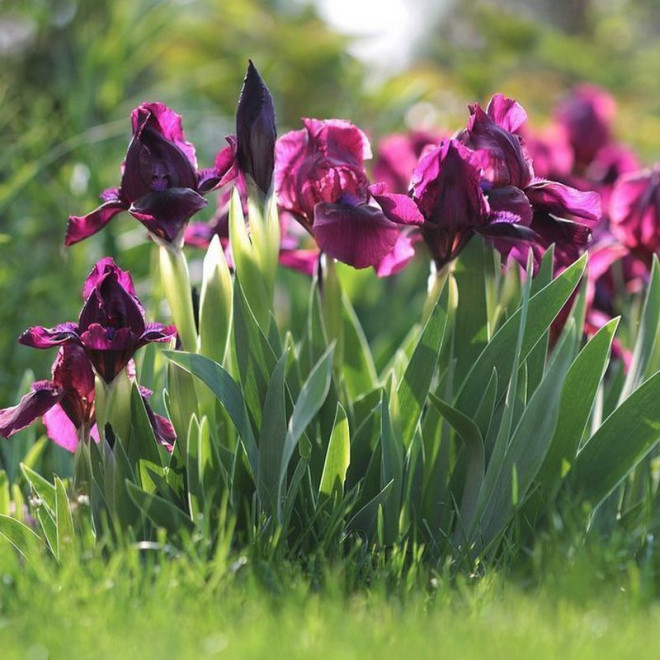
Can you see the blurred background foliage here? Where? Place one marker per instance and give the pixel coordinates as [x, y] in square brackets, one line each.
[72, 70]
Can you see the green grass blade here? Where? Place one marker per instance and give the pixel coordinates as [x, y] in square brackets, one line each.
[22, 538]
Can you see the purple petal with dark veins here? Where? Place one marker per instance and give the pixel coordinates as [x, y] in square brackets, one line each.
[102, 269]
[360, 236]
[40, 337]
[398, 208]
[507, 113]
[561, 200]
[511, 203]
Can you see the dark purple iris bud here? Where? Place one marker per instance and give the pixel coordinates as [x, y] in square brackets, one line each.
[446, 187]
[66, 402]
[111, 325]
[255, 130]
[398, 155]
[321, 182]
[160, 184]
[587, 115]
[635, 212]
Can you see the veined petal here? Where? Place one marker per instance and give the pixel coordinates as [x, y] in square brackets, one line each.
[339, 140]
[102, 269]
[33, 405]
[157, 332]
[507, 113]
[360, 236]
[400, 255]
[81, 227]
[40, 337]
[398, 208]
[561, 200]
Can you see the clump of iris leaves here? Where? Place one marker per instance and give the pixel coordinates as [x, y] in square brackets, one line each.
[479, 435]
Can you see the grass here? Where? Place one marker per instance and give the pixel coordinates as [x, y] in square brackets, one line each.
[142, 605]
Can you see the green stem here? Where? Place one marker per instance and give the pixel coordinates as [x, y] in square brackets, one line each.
[176, 282]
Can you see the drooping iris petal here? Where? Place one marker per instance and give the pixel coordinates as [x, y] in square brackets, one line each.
[399, 256]
[60, 429]
[80, 227]
[40, 337]
[33, 405]
[563, 201]
[360, 236]
[397, 208]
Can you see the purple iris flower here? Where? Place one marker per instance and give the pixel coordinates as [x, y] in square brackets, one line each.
[397, 157]
[111, 325]
[160, 184]
[446, 187]
[66, 402]
[635, 212]
[587, 115]
[525, 211]
[321, 182]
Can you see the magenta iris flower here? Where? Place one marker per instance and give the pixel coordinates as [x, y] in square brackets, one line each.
[519, 201]
[321, 181]
[66, 402]
[160, 185]
[446, 187]
[111, 325]
[635, 212]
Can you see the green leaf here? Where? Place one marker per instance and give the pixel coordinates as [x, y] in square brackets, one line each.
[182, 400]
[161, 512]
[358, 367]
[311, 398]
[499, 354]
[65, 530]
[475, 467]
[414, 388]
[527, 448]
[22, 538]
[218, 380]
[215, 303]
[42, 488]
[337, 457]
[272, 437]
[391, 472]
[577, 401]
[624, 438]
[471, 315]
[142, 443]
[258, 291]
[647, 335]
[254, 356]
[364, 520]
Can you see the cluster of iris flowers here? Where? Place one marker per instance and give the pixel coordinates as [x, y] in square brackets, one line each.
[571, 186]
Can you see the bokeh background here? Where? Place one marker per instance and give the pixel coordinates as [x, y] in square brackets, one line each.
[72, 70]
